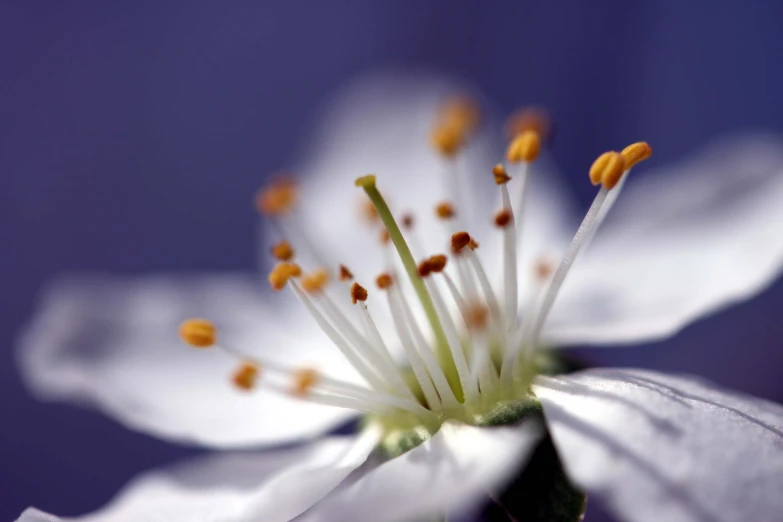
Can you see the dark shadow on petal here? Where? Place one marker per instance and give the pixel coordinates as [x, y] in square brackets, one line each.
[674, 490]
[682, 396]
[581, 389]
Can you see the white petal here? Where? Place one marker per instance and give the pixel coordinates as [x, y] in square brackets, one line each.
[657, 447]
[273, 486]
[681, 243]
[113, 344]
[457, 468]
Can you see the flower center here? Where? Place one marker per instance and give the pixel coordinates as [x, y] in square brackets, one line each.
[474, 356]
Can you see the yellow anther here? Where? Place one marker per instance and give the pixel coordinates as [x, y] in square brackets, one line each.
[198, 333]
[437, 262]
[282, 251]
[408, 221]
[524, 147]
[636, 152]
[315, 281]
[345, 274]
[476, 316]
[447, 139]
[502, 218]
[424, 268]
[460, 112]
[607, 169]
[384, 281]
[281, 273]
[304, 380]
[460, 240]
[543, 269]
[529, 118]
[370, 212]
[358, 293]
[365, 181]
[473, 244]
[246, 376]
[500, 174]
[385, 237]
[277, 198]
[445, 210]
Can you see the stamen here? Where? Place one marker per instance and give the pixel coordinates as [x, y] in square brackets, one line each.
[455, 345]
[198, 333]
[460, 112]
[282, 251]
[281, 274]
[369, 212]
[447, 139]
[358, 293]
[384, 281]
[314, 282]
[384, 236]
[424, 351]
[278, 198]
[345, 274]
[245, 377]
[607, 169]
[524, 147]
[505, 220]
[368, 184]
[407, 220]
[304, 380]
[635, 153]
[445, 210]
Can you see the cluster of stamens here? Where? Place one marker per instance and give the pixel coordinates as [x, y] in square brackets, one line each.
[465, 360]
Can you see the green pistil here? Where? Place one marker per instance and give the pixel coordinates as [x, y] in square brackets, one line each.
[443, 352]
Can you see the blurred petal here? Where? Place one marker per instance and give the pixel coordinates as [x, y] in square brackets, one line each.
[457, 468]
[657, 447]
[113, 344]
[682, 242]
[234, 486]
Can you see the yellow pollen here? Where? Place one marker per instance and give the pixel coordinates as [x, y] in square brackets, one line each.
[245, 377]
[198, 333]
[358, 293]
[473, 244]
[424, 268]
[437, 263]
[345, 274]
[636, 152]
[460, 240]
[385, 237]
[282, 251]
[460, 112]
[370, 212]
[365, 181]
[500, 174]
[607, 169]
[447, 139]
[304, 380]
[529, 118]
[502, 218]
[281, 273]
[407, 221]
[384, 281]
[477, 315]
[524, 147]
[315, 281]
[277, 198]
[444, 210]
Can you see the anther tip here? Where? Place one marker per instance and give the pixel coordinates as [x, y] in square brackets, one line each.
[384, 281]
[460, 240]
[447, 138]
[424, 268]
[277, 198]
[345, 274]
[529, 118]
[445, 210]
[245, 377]
[437, 263]
[635, 153]
[304, 380]
[282, 251]
[198, 333]
[367, 181]
[524, 147]
[281, 273]
[358, 293]
[315, 281]
[502, 218]
[607, 169]
[500, 174]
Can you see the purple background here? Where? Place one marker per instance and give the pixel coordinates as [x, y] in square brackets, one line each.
[133, 135]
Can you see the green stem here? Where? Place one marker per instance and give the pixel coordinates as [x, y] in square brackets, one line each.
[443, 352]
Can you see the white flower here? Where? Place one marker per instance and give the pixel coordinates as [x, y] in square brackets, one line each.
[679, 243]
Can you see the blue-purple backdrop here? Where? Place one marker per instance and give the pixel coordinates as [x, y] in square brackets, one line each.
[132, 131]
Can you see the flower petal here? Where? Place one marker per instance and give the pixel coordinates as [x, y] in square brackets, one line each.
[455, 469]
[682, 242]
[658, 447]
[234, 486]
[113, 344]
